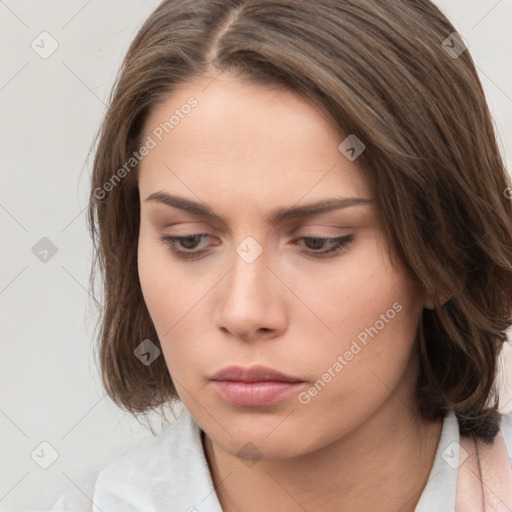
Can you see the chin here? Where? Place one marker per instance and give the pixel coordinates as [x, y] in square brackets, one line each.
[254, 448]
[262, 436]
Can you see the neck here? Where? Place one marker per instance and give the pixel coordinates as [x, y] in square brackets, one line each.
[383, 465]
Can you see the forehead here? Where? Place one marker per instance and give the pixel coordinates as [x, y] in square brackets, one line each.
[245, 143]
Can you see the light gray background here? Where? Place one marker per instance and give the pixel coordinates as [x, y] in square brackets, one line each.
[51, 108]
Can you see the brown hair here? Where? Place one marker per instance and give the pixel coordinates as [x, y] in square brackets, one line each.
[380, 70]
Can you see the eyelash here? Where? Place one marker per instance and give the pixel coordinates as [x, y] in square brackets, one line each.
[340, 245]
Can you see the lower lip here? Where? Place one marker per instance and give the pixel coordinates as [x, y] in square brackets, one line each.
[255, 394]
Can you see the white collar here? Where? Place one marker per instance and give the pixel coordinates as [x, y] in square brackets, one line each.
[439, 494]
[171, 473]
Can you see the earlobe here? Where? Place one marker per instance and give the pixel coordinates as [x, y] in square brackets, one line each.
[429, 302]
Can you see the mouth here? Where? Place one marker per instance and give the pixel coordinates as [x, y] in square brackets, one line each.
[254, 387]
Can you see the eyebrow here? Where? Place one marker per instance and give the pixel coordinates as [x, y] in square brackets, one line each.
[274, 217]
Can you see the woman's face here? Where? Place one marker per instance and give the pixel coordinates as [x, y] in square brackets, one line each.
[254, 288]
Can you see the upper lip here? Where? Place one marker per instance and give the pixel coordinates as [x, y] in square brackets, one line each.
[253, 374]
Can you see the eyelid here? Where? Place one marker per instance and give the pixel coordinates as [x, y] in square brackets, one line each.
[297, 232]
[291, 229]
[322, 231]
[339, 245]
[330, 220]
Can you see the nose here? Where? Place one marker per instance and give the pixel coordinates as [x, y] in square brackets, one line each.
[251, 300]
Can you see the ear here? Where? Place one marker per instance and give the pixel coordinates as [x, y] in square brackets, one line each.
[429, 302]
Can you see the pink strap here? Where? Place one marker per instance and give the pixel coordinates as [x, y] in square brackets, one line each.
[485, 477]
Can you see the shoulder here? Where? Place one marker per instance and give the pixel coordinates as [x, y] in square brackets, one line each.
[157, 454]
[169, 472]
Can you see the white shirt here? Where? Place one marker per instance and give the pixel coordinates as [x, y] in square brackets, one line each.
[170, 473]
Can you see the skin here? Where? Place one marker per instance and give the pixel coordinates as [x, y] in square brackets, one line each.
[357, 445]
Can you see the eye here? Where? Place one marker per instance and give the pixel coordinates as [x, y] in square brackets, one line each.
[336, 245]
[177, 244]
[188, 242]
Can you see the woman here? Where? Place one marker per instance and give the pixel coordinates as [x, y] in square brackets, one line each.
[301, 216]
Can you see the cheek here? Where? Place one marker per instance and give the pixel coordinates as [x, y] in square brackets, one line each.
[354, 372]
[161, 284]
[153, 279]
[372, 312]
[173, 299]
[352, 296]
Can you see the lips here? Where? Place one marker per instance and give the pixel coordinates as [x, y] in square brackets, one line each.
[254, 387]
[254, 374]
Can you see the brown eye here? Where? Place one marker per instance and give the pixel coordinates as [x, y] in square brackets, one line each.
[177, 244]
[188, 242]
[337, 245]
